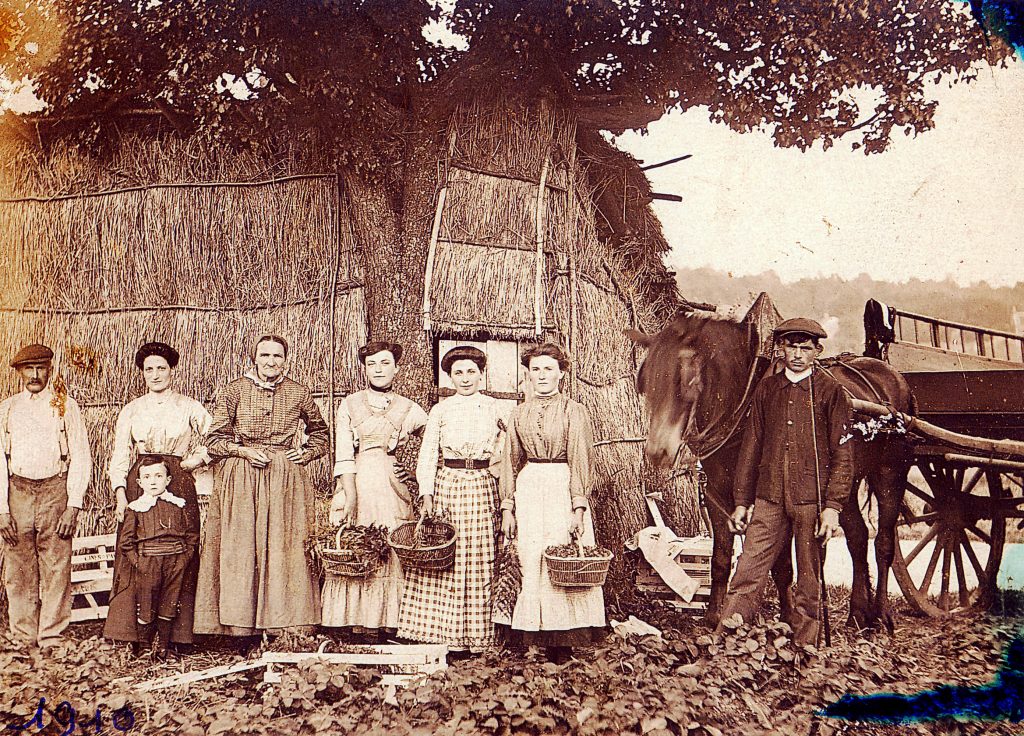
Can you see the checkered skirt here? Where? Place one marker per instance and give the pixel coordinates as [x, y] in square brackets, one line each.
[453, 606]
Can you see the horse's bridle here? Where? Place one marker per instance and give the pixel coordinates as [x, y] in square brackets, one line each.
[734, 421]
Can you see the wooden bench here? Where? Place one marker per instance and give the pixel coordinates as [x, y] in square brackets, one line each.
[92, 574]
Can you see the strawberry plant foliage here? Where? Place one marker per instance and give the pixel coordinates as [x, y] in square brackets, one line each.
[751, 680]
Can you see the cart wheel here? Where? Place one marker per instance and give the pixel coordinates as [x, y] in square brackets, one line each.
[958, 528]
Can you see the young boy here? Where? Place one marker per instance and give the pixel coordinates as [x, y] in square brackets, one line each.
[800, 472]
[156, 539]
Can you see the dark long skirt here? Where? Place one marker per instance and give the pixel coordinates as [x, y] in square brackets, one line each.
[121, 617]
[254, 571]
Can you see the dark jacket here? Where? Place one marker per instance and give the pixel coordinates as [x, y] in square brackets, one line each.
[777, 459]
[163, 521]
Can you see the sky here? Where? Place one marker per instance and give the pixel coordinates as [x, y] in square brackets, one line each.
[948, 203]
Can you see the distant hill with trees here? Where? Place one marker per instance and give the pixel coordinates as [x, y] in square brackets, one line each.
[839, 303]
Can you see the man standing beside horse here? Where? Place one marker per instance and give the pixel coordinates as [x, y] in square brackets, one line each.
[795, 460]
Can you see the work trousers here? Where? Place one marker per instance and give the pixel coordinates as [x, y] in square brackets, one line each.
[768, 537]
[37, 570]
[158, 585]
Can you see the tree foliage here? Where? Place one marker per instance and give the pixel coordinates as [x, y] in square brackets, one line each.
[362, 70]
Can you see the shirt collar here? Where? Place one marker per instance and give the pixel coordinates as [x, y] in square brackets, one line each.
[45, 395]
[145, 502]
[797, 378]
[268, 385]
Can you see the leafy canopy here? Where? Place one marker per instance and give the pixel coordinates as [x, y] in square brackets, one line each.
[362, 70]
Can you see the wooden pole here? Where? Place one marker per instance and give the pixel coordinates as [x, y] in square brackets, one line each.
[538, 282]
[428, 275]
[1005, 448]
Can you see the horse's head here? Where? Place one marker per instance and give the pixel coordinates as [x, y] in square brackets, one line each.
[691, 354]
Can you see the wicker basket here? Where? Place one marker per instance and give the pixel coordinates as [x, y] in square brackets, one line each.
[347, 563]
[578, 572]
[436, 548]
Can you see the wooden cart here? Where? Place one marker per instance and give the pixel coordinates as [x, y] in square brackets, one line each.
[966, 483]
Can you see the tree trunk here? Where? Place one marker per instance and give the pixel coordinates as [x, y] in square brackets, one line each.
[392, 230]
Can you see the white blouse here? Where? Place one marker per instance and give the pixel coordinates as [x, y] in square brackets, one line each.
[461, 428]
[166, 423]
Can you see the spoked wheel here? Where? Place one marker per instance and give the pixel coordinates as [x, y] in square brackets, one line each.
[954, 526]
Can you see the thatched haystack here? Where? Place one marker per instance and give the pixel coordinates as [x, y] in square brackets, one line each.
[166, 242]
[576, 274]
[539, 231]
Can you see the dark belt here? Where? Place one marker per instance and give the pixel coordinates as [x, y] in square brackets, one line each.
[161, 547]
[547, 460]
[470, 464]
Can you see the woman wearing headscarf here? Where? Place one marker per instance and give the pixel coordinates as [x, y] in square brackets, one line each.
[164, 423]
[545, 500]
[370, 488]
[453, 606]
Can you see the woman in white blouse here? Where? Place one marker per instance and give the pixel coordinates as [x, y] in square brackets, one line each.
[453, 606]
[165, 423]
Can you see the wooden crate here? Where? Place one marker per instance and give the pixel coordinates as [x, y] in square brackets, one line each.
[694, 557]
[402, 663]
[92, 573]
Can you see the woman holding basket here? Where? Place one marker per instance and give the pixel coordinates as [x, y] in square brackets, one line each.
[453, 606]
[545, 489]
[371, 488]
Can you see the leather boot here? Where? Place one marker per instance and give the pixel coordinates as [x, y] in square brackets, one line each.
[163, 634]
[145, 631]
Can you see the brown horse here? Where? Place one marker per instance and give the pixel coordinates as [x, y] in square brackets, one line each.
[698, 378]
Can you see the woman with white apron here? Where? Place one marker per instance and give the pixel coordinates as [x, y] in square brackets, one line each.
[370, 488]
[545, 500]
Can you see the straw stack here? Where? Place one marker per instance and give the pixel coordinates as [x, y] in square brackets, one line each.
[163, 241]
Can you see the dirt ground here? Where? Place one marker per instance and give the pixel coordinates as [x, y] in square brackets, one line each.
[688, 682]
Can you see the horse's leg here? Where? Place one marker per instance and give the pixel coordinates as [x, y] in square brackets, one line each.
[856, 532]
[719, 501]
[887, 483]
[721, 564]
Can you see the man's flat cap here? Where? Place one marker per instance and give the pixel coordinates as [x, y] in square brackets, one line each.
[800, 325]
[34, 353]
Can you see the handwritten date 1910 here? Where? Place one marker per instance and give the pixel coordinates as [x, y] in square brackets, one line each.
[66, 717]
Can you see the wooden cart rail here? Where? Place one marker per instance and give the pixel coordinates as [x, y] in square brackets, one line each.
[958, 337]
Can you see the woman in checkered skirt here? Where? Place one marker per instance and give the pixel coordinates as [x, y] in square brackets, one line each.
[453, 606]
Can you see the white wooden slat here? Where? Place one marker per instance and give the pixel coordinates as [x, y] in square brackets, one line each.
[91, 585]
[187, 678]
[99, 540]
[93, 558]
[88, 614]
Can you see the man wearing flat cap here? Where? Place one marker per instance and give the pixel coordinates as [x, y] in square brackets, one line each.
[793, 461]
[45, 473]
